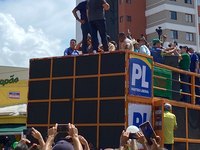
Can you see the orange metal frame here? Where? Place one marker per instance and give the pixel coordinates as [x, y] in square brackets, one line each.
[127, 97]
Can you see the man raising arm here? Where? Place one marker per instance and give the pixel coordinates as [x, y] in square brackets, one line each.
[106, 6]
[82, 7]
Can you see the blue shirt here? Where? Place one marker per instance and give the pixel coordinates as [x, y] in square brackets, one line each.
[82, 7]
[157, 55]
[70, 51]
[194, 59]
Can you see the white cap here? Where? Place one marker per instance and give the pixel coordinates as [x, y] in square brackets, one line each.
[167, 106]
[132, 129]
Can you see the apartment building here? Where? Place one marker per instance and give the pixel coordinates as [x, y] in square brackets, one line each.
[178, 19]
[132, 17]
[198, 3]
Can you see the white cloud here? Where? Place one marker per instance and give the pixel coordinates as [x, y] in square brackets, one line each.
[18, 45]
[33, 29]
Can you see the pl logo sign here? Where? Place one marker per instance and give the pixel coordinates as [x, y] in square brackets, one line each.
[140, 77]
[139, 72]
[138, 113]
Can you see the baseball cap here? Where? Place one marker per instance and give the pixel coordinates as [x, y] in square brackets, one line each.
[63, 145]
[156, 41]
[167, 106]
[132, 129]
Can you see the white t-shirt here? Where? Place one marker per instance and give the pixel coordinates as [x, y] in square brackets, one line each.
[127, 44]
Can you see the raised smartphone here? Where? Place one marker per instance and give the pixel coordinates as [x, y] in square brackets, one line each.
[148, 131]
[62, 128]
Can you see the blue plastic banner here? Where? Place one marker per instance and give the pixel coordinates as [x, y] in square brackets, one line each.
[140, 76]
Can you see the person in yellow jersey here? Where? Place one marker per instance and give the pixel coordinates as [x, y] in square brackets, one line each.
[170, 125]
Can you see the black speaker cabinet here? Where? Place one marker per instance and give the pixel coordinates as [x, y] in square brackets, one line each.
[86, 90]
[180, 113]
[180, 145]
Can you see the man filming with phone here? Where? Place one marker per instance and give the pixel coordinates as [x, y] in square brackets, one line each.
[170, 125]
[133, 139]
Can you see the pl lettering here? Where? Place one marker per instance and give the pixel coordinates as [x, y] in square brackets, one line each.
[139, 118]
[138, 73]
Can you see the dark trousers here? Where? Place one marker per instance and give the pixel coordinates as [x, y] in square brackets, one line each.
[95, 26]
[85, 31]
[197, 90]
[168, 146]
[185, 88]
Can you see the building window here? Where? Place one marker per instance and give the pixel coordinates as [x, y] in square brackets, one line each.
[128, 1]
[121, 19]
[173, 15]
[188, 18]
[188, 1]
[174, 34]
[189, 36]
[128, 18]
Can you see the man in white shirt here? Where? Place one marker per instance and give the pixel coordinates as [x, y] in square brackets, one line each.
[125, 43]
[143, 48]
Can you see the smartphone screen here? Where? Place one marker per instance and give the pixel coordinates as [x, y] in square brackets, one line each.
[148, 131]
[132, 136]
[62, 128]
[27, 131]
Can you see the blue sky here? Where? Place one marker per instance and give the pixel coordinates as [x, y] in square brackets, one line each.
[34, 29]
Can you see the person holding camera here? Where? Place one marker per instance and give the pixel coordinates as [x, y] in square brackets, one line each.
[125, 143]
[25, 144]
[37, 135]
[63, 144]
[130, 138]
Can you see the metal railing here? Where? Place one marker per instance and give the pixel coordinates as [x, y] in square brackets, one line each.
[185, 85]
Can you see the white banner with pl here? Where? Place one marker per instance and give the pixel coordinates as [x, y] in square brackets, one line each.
[139, 113]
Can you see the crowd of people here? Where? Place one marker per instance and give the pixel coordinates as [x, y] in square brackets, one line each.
[92, 19]
[132, 138]
[185, 57]
[74, 141]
